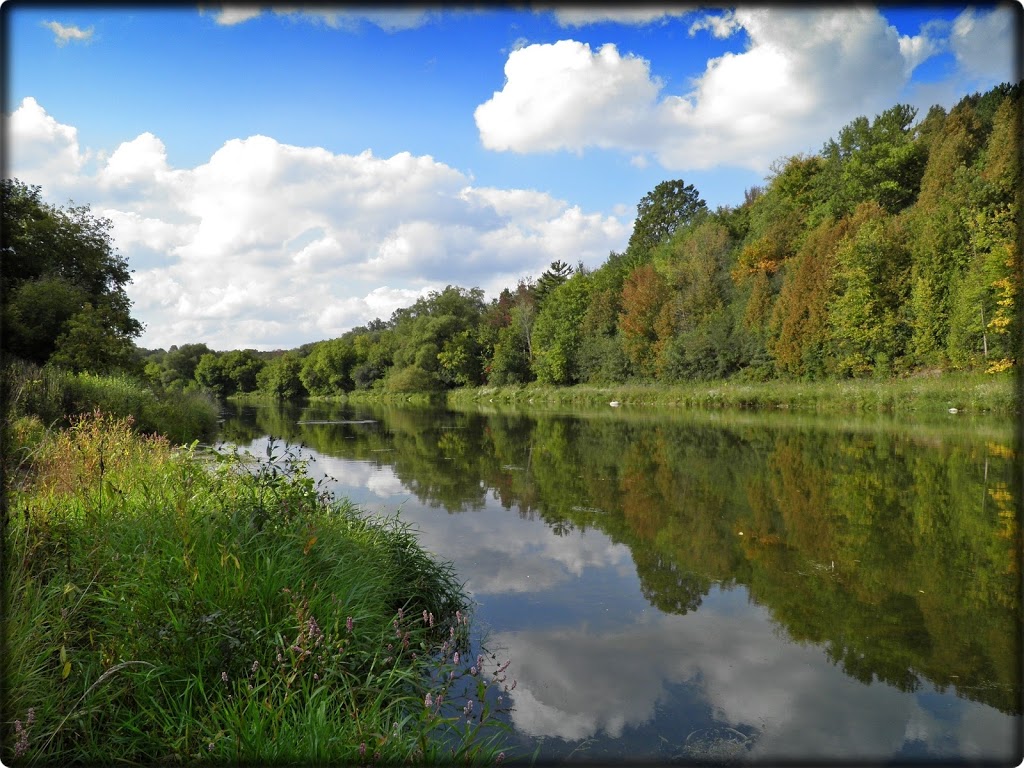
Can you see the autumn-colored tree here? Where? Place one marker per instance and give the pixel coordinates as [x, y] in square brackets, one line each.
[644, 294]
[799, 319]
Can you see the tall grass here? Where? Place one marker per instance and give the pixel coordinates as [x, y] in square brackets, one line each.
[164, 605]
[52, 396]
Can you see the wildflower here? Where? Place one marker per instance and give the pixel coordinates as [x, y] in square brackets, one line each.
[455, 658]
[255, 666]
[280, 659]
[348, 623]
[500, 758]
[209, 747]
[480, 661]
[224, 676]
[431, 621]
[424, 615]
[472, 671]
[362, 749]
[315, 632]
[458, 617]
[316, 677]
[31, 718]
[428, 701]
[401, 613]
[468, 709]
[22, 746]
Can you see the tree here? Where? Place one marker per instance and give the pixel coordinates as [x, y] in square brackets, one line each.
[211, 374]
[93, 342]
[877, 161]
[557, 332]
[644, 294]
[553, 277]
[279, 378]
[182, 361]
[55, 263]
[665, 209]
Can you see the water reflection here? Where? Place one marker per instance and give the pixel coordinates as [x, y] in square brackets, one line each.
[677, 586]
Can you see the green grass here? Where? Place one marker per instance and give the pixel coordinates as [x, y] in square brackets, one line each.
[166, 605]
[971, 393]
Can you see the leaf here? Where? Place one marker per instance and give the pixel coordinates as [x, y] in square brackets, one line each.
[309, 545]
[66, 671]
[63, 655]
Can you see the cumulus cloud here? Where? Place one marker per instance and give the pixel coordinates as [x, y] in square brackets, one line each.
[984, 44]
[41, 149]
[803, 74]
[269, 245]
[62, 34]
[566, 96]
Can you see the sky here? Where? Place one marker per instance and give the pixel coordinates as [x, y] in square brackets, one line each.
[276, 175]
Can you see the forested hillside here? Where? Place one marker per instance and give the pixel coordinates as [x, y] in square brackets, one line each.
[892, 251]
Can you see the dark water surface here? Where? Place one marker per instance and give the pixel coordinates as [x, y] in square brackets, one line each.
[675, 586]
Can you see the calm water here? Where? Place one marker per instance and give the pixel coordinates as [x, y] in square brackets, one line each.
[676, 586]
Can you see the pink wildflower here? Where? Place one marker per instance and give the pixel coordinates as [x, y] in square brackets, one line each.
[428, 701]
[348, 623]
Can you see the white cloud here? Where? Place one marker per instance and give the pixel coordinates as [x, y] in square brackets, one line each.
[721, 26]
[340, 17]
[270, 245]
[566, 96]
[637, 15]
[234, 14]
[803, 74]
[984, 44]
[41, 150]
[62, 34]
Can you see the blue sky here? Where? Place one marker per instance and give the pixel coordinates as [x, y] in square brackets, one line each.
[278, 175]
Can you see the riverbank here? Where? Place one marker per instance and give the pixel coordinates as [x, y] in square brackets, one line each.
[164, 604]
[969, 393]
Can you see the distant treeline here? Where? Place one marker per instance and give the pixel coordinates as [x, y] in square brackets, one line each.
[894, 250]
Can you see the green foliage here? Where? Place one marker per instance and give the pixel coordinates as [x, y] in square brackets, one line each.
[667, 208]
[281, 377]
[62, 284]
[557, 332]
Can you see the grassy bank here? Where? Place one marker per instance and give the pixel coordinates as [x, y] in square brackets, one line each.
[973, 393]
[167, 606]
[50, 397]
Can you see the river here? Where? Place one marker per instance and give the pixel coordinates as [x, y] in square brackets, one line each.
[681, 586]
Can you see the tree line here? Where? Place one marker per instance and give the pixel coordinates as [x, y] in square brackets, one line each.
[893, 250]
